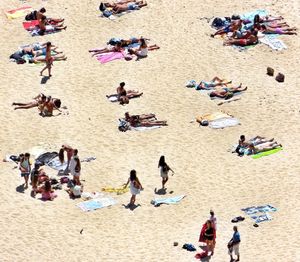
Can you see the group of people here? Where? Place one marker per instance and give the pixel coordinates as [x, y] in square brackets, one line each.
[37, 53]
[125, 46]
[245, 32]
[255, 145]
[136, 186]
[45, 24]
[208, 235]
[123, 96]
[42, 183]
[114, 8]
[45, 104]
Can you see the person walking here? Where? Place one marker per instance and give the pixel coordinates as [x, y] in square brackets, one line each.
[233, 245]
[164, 170]
[135, 186]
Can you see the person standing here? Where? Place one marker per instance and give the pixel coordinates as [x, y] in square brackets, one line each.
[135, 186]
[75, 167]
[209, 237]
[69, 151]
[25, 168]
[49, 60]
[233, 245]
[164, 170]
[213, 219]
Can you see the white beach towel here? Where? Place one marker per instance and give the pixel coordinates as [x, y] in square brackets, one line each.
[224, 122]
[273, 42]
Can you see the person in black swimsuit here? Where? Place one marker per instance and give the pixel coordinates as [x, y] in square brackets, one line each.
[209, 237]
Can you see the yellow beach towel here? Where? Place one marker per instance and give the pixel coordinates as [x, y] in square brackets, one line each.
[213, 116]
[20, 12]
[118, 190]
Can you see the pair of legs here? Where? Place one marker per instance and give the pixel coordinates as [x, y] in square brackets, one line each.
[48, 66]
[26, 177]
[164, 181]
[76, 178]
[240, 42]
[260, 140]
[267, 146]
[132, 200]
[102, 50]
[210, 246]
[25, 105]
[58, 57]
[149, 123]
[119, 8]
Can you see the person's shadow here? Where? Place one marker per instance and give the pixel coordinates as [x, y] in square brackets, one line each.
[20, 189]
[131, 207]
[44, 79]
[161, 191]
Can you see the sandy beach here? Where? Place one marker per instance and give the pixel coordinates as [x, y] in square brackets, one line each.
[206, 171]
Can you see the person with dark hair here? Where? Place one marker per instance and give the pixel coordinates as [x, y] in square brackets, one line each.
[45, 27]
[49, 105]
[143, 49]
[128, 6]
[146, 120]
[279, 30]
[251, 40]
[75, 167]
[233, 26]
[164, 170]
[209, 237]
[213, 219]
[47, 191]
[35, 173]
[25, 167]
[38, 101]
[135, 186]
[233, 245]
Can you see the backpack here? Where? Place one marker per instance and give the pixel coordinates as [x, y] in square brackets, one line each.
[31, 16]
[218, 22]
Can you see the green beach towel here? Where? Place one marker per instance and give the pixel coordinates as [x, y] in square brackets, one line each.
[267, 153]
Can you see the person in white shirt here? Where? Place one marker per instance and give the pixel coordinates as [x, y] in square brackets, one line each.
[213, 219]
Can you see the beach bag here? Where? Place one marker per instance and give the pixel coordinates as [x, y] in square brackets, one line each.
[218, 22]
[64, 180]
[189, 247]
[106, 13]
[114, 41]
[31, 16]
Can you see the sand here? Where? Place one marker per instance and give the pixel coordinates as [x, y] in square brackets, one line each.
[205, 171]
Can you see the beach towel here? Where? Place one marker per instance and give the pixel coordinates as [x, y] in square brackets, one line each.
[242, 48]
[213, 116]
[262, 218]
[169, 200]
[108, 57]
[267, 153]
[224, 122]
[113, 98]
[19, 12]
[56, 164]
[45, 158]
[144, 128]
[202, 233]
[30, 25]
[273, 42]
[118, 190]
[250, 15]
[256, 209]
[96, 203]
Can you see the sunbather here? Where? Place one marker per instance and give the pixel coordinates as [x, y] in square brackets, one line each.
[116, 48]
[216, 81]
[119, 8]
[260, 19]
[254, 149]
[134, 120]
[37, 15]
[252, 40]
[227, 92]
[42, 58]
[142, 51]
[45, 27]
[243, 144]
[278, 30]
[123, 95]
[235, 25]
[49, 105]
[131, 41]
[38, 101]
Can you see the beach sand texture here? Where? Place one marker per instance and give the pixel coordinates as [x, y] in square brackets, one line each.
[209, 175]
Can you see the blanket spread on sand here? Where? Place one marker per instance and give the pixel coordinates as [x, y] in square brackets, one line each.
[169, 200]
[19, 12]
[96, 203]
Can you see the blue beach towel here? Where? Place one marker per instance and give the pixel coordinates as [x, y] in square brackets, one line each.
[96, 203]
[256, 209]
[170, 200]
[250, 15]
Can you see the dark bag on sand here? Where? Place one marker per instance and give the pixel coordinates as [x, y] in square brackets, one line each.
[218, 22]
[31, 16]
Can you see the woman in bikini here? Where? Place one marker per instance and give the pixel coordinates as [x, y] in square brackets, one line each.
[116, 48]
[48, 60]
[49, 105]
[135, 186]
[252, 40]
[132, 5]
[227, 92]
[216, 81]
[39, 100]
[44, 27]
[279, 30]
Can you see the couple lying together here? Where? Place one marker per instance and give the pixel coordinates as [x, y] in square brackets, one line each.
[123, 96]
[122, 45]
[145, 120]
[46, 105]
[219, 87]
[37, 53]
[109, 9]
[255, 145]
[45, 24]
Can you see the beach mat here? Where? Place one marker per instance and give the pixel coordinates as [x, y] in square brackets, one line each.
[96, 203]
[144, 128]
[169, 200]
[108, 57]
[224, 122]
[30, 25]
[273, 42]
[19, 12]
[267, 153]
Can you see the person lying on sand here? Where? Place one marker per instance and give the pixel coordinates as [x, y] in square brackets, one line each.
[116, 48]
[119, 8]
[227, 92]
[39, 100]
[216, 81]
[279, 30]
[42, 58]
[123, 95]
[243, 144]
[142, 51]
[251, 40]
[254, 149]
[261, 19]
[233, 26]
[45, 27]
[143, 120]
[133, 40]
[49, 105]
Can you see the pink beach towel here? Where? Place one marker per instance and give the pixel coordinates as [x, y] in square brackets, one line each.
[30, 25]
[107, 57]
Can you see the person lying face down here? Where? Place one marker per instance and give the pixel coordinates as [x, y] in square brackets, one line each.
[146, 120]
[279, 30]
[38, 101]
[251, 40]
[122, 6]
[227, 92]
[116, 48]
